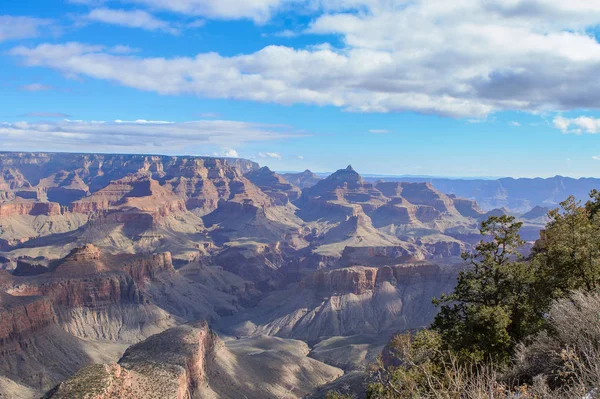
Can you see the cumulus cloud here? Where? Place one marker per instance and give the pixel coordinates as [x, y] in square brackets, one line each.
[272, 155]
[515, 124]
[227, 153]
[582, 124]
[596, 157]
[130, 18]
[14, 27]
[465, 58]
[141, 136]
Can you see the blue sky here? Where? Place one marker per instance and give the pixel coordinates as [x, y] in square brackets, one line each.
[471, 88]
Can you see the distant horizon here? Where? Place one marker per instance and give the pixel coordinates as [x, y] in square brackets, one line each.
[318, 173]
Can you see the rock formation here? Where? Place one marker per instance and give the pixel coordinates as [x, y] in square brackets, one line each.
[274, 185]
[190, 361]
[303, 180]
[348, 301]
[101, 252]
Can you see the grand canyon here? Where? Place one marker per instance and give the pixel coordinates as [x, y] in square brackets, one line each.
[200, 277]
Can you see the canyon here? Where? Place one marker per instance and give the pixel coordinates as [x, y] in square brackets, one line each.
[199, 277]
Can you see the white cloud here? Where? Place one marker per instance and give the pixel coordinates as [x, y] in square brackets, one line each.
[132, 19]
[227, 153]
[379, 131]
[258, 10]
[286, 33]
[272, 155]
[582, 124]
[36, 87]
[596, 157]
[515, 124]
[466, 58]
[141, 136]
[301, 157]
[12, 27]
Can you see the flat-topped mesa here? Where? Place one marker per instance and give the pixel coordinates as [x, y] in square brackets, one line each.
[139, 192]
[89, 260]
[274, 185]
[352, 280]
[359, 280]
[382, 255]
[21, 207]
[169, 365]
[88, 278]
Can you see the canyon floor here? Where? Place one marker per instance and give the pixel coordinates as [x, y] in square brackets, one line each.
[154, 276]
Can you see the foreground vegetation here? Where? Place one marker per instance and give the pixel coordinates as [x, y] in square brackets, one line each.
[513, 327]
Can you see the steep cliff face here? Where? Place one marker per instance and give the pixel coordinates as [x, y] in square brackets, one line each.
[349, 301]
[32, 208]
[94, 295]
[168, 365]
[20, 317]
[85, 307]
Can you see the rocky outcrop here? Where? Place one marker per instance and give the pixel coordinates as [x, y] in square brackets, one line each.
[538, 212]
[191, 362]
[303, 180]
[69, 179]
[168, 365]
[139, 192]
[349, 301]
[343, 281]
[344, 185]
[20, 317]
[274, 185]
[32, 208]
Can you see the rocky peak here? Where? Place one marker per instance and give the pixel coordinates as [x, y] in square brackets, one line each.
[274, 185]
[536, 212]
[344, 178]
[86, 253]
[303, 180]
